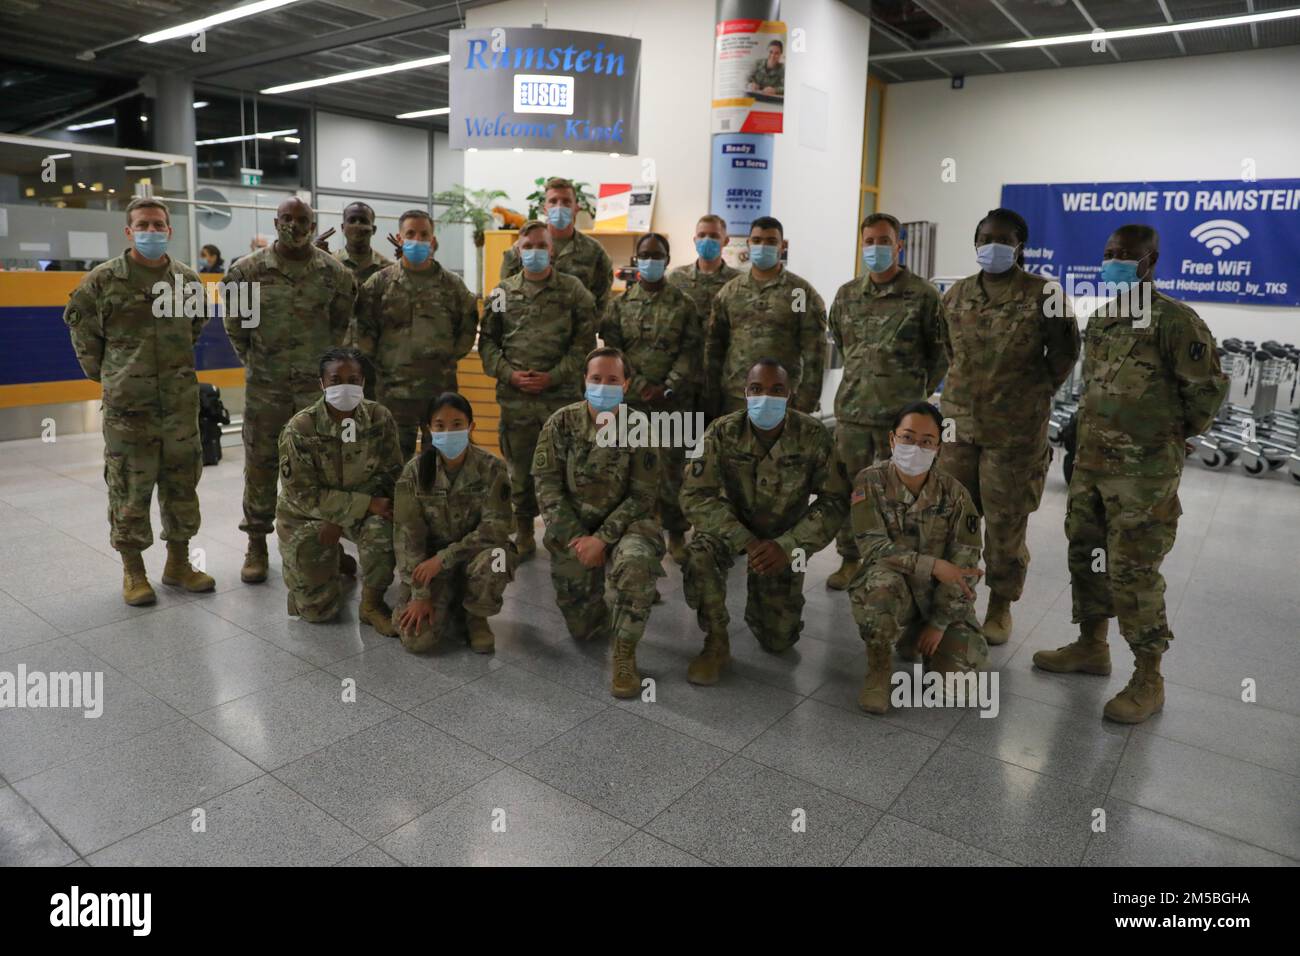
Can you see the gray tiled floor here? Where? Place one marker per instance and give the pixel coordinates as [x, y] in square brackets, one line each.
[226, 737]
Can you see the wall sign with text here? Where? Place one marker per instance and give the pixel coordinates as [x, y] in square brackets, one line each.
[544, 89]
[1220, 240]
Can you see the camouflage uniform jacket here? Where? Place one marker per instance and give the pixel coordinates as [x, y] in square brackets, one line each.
[579, 256]
[660, 334]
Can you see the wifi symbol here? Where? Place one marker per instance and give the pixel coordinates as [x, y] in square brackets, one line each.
[1220, 234]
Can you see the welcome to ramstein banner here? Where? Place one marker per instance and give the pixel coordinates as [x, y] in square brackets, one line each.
[544, 89]
[1220, 241]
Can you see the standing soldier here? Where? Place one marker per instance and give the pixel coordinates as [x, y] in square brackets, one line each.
[748, 492]
[919, 535]
[768, 311]
[598, 501]
[537, 327]
[571, 252]
[886, 324]
[414, 320]
[151, 397]
[1151, 381]
[305, 305]
[656, 327]
[357, 253]
[1011, 341]
[451, 534]
[339, 461]
[705, 277]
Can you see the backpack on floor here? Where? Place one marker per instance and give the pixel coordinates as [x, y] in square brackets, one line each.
[212, 415]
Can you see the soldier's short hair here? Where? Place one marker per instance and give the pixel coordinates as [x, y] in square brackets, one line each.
[713, 218]
[340, 354]
[652, 235]
[768, 222]
[778, 44]
[455, 399]
[414, 214]
[918, 408]
[876, 217]
[147, 202]
[607, 351]
[364, 205]
[533, 224]
[559, 182]
[1007, 217]
[1140, 232]
[768, 362]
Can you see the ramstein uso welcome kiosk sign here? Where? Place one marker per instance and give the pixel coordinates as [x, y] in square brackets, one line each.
[544, 89]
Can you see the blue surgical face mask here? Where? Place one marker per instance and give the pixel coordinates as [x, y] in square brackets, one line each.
[1120, 271]
[559, 216]
[535, 260]
[995, 257]
[766, 411]
[877, 258]
[652, 270]
[151, 245]
[708, 249]
[604, 398]
[764, 257]
[415, 252]
[450, 444]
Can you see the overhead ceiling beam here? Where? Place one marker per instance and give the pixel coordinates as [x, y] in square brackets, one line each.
[381, 29]
[1021, 27]
[1096, 26]
[929, 8]
[1164, 8]
[1254, 30]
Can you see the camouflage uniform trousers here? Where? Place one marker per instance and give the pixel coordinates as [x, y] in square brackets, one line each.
[311, 569]
[885, 610]
[520, 426]
[622, 597]
[859, 446]
[144, 448]
[265, 415]
[473, 587]
[773, 606]
[673, 460]
[1133, 521]
[1006, 485]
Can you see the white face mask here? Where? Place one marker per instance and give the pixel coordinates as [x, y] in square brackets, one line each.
[344, 397]
[912, 460]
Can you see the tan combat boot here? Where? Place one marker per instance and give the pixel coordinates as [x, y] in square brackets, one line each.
[627, 682]
[375, 612]
[255, 560]
[525, 543]
[707, 667]
[136, 590]
[1144, 695]
[839, 580]
[178, 572]
[677, 546]
[874, 698]
[1090, 654]
[997, 622]
[481, 638]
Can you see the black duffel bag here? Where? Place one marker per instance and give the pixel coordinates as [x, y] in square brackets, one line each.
[212, 415]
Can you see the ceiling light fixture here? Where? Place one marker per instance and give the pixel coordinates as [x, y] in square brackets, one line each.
[240, 139]
[216, 19]
[360, 74]
[436, 111]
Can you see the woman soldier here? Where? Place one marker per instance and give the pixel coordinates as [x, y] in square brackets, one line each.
[452, 525]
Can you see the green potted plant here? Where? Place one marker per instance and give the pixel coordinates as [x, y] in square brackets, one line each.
[472, 207]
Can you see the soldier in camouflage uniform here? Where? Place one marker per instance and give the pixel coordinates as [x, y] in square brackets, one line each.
[145, 363]
[598, 502]
[1151, 380]
[572, 252]
[769, 75]
[339, 461]
[919, 535]
[1011, 341]
[306, 300]
[538, 326]
[656, 326]
[357, 253]
[766, 312]
[748, 493]
[704, 278]
[451, 534]
[886, 324]
[415, 320]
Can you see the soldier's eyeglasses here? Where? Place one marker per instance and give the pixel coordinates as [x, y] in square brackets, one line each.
[909, 438]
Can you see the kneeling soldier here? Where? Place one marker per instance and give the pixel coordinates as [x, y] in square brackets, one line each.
[598, 502]
[749, 492]
[919, 535]
[339, 459]
[451, 534]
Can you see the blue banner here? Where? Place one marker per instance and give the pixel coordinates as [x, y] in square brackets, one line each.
[1220, 241]
[742, 179]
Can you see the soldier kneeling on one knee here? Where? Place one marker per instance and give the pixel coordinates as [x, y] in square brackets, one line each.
[919, 535]
[339, 460]
[451, 535]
